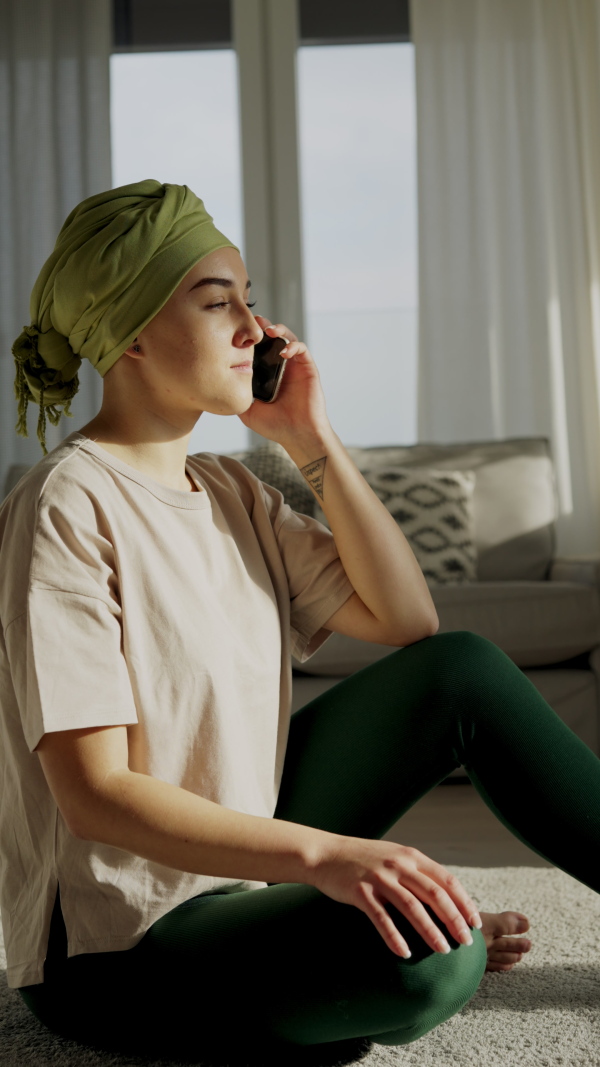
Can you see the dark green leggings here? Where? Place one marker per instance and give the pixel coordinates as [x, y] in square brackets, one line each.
[289, 965]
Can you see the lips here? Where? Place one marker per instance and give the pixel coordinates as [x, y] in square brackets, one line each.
[247, 363]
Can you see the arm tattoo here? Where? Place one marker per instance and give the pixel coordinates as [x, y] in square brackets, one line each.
[315, 473]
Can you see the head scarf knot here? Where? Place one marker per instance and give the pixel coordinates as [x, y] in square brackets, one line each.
[47, 379]
[118, 258]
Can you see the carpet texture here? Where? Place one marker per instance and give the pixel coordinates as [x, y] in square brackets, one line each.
[543, 1013]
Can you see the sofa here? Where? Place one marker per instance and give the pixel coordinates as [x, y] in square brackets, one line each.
[542, 610]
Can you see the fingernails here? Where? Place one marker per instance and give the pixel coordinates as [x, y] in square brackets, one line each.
[442, 946]
[475, 920]
[466, 937]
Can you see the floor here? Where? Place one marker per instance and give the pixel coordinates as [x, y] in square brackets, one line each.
[451, 824]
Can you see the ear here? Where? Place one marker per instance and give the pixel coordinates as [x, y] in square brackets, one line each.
[135, 349]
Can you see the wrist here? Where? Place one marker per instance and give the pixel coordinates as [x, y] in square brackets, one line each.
[305, 447]
[319, 849]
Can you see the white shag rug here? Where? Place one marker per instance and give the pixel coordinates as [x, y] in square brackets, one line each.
[543, 1013]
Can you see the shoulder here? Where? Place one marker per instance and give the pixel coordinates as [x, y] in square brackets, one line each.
[39, 483]
[50, 523]
[65, 469]
[61, 497]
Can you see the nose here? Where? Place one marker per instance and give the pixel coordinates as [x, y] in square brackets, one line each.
[252, 330]
[256, 333]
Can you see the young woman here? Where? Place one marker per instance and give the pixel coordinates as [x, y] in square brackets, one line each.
[177, 854]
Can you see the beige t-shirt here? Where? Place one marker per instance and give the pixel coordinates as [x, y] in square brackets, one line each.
[124, 601]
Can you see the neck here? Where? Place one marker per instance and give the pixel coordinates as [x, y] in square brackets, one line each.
[164, 461]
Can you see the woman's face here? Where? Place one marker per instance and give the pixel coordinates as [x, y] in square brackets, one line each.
[190, 347]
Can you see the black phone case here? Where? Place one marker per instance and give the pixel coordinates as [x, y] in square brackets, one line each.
[268, 368]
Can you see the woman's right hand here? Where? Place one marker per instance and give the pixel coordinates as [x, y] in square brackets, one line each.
[366, 873]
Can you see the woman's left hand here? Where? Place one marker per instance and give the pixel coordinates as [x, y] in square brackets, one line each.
[300, 405]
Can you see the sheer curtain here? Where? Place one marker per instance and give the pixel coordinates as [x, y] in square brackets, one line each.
[54, 116]
[508, 135]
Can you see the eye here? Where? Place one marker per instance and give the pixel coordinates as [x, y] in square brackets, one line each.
[225, 303]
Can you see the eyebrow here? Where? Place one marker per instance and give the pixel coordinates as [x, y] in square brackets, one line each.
[218, 281]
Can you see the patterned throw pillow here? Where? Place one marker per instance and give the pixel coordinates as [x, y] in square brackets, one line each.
[271, 463]
[434, 509]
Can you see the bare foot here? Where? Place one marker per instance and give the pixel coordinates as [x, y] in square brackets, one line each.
[503, 951]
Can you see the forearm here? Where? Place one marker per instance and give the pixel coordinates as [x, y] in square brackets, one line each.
[373, 550]
[169, 825]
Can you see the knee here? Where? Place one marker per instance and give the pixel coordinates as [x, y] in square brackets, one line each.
[449, 981]
[456, 654]
[463, 648]
[463, 642]
[438, 986]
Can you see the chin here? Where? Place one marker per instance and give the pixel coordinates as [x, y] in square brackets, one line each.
[247, 407]
[234, 407]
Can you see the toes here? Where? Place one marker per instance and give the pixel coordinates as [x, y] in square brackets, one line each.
[504, 922]
[499, 966]
[510, 944]
[517, 922]
[506, 957]
[511, 922]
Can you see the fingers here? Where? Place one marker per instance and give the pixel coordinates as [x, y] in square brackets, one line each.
[449, 900]
[412, 909]
[383, 923]
[447, 892]
[278, 329]
[374, 874]
[290, 349]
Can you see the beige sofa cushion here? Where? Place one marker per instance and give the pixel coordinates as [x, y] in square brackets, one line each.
[514, 501]
[535, 623]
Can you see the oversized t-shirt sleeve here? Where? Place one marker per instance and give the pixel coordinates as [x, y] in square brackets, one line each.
[65, 650]
[317, 580]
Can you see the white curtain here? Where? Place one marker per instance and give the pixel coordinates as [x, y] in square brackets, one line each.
[55, 151]
[508, 134]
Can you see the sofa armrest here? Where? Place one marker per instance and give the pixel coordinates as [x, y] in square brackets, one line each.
[582, 569]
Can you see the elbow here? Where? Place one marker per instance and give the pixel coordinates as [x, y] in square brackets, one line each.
[417, 628]
[427, 626]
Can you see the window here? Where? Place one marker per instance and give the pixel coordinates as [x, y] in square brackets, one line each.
[359, 218]
[356, 136]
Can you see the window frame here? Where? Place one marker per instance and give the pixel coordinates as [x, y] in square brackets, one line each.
[154, 25]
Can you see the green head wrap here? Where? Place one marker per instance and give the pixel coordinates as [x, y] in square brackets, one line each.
[118, 258]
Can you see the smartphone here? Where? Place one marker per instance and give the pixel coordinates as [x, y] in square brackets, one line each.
[268, 368]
